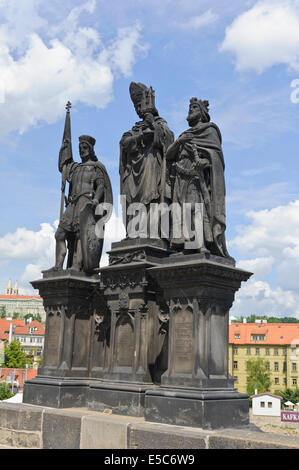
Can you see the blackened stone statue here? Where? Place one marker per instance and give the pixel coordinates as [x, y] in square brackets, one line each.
[199, 176]
[89, 185]
[142, 151]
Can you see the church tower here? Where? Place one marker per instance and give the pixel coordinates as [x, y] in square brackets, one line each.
[16, 289]
[9, 289]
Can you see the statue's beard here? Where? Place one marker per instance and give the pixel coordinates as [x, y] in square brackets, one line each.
[193, 119]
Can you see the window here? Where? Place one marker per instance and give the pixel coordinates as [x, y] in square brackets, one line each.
[248, 351]
[294, 381]
[275, 351]
[268, 366]
[257, 351]
[235, 364]
[284, 366]
[284, 351]
[257, 337]
[270, 404]
[267, 351]
[276, 380]
[294, 366]
[262, 404]
[284, 381]
[276, 366]
[237, 336]
[235, 350]
[236, 379]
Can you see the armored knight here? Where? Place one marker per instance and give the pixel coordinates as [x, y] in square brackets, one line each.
[142, 151]
[199, 177]
[89, 185]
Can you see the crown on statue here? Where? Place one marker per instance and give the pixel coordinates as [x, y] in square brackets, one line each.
[88, 139]
[205, 104]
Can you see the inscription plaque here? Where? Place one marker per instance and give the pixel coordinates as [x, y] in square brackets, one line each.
[124, 343]
[81, 342]
[183, 342]
[53, 340]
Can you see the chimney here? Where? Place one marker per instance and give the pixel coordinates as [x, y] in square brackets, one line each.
[11, 329]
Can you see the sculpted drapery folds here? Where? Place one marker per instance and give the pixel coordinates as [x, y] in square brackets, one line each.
[142, 151]
[198, 165]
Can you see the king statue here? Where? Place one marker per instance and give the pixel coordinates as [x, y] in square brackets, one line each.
[198, 165]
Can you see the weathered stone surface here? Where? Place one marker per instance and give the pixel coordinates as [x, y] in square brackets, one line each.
[104, 432]
[20, 439]
[20, 417]
[159, 436]
[80, 428]
[206, 409]
[61, 430]
[243, 439]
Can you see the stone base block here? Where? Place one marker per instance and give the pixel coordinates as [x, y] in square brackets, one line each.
[56, 392]
[205, 409]
[122, 399]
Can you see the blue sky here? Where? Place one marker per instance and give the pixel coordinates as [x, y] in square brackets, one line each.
[242, 57]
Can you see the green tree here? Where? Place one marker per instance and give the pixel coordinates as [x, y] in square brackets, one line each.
[5, 391]
[258, 376]
[36, 317]
[15, 356]
[289, 395]
[16, 315]
[3, 311]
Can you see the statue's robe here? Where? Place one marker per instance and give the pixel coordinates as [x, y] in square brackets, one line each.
[141, 164]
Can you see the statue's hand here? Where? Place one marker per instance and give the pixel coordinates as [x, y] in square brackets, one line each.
[94, 202]
[149, 119]
[202, 164]
[147, 131]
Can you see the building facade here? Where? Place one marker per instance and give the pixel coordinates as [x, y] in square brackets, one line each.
[11, 302]
[31, 335]
[277, 343]
[266, 404]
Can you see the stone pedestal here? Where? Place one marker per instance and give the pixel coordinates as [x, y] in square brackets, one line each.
[197, 390]
[136, 336]
[68, 359]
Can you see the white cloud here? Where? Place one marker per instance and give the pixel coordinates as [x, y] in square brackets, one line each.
[197, 22]
[271, 243]
[36, 249]
[257, 297]
[43, 65]
[260, 266]
[264, 36]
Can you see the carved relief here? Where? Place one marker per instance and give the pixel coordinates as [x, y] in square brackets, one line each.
[128, 257]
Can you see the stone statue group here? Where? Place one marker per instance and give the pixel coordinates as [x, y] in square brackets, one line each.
[154, 168]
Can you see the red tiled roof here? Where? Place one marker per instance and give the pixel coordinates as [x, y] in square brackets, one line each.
[4, 334]
[275, 333]
[24, 330]
[16, 297]
[21, 328]
[266, 393]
